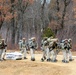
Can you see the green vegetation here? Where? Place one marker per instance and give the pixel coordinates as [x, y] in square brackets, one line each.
[48, 33]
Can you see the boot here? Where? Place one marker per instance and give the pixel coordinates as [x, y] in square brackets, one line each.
[48, 59]
[32, 59]
[42, 59]
[25, 58]
[71, 59]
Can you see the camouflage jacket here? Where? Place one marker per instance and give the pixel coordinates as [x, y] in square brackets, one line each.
[3, 45]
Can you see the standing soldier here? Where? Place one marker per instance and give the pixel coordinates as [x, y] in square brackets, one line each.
[20, 45]
[23, 48]
[70, 48]
[57, 47]
[3, 48]
[33, 46]
[45, 47]
[65, 51]
[54, 53]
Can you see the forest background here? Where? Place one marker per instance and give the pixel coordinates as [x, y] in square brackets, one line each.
[28, 18]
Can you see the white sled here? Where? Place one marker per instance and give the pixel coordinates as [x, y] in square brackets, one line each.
[14, 55]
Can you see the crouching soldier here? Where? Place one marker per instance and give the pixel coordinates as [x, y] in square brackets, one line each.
[23, 47]
[70, 48]
[3, 48]
[33, 46]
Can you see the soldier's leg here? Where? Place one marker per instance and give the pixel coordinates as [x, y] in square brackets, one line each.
[32, 51]
[0, 54]
[56, 53]
[1, 51]
[50, 53]
[43, 55]
[47, 52]
[53, 56]
[22, 51]
[3, 54]
[65, 57]
[70, 56]
[25, 53]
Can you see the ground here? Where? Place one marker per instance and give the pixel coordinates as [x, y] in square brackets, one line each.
[28, 67]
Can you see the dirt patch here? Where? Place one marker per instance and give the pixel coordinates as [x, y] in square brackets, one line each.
[27, 67]
[31, 68]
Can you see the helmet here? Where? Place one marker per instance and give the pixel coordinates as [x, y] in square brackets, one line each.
[66, 39]
[69, 40]
[3, 39]
[24, 38]
[54, 40]
[20, 40]
[33, 38]
[48, 39]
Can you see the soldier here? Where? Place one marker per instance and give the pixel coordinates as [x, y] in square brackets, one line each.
[33, 46]
[3, 48]
[58, 47]
[65, 51]
[70, 48]
[54, 51]
[20, 45]
[23, 48]
[45, 47]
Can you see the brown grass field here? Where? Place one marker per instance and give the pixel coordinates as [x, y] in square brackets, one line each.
[28, 67]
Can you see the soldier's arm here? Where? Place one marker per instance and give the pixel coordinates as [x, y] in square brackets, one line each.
[36, 45]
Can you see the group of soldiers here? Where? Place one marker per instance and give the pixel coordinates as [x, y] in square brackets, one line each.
[24, 46]
[50, 48]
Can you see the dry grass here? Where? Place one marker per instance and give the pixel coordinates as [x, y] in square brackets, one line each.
[27, 67]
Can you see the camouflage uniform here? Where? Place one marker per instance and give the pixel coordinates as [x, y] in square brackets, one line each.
[23, 47]
[45, 48]
[3, 48]
[65, 51]
[33, 46]
[70, 48]
[20, 44]
[54, 47]
[54, 52]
